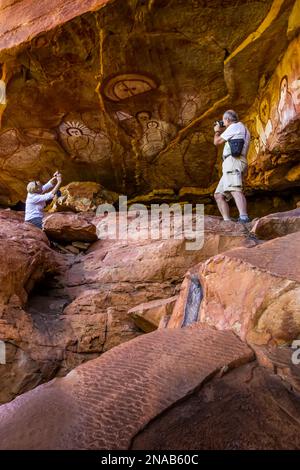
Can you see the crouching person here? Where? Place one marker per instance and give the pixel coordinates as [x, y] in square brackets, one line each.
[37, 197]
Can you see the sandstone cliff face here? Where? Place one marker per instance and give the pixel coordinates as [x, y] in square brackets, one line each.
[120, 96]
[139, 117]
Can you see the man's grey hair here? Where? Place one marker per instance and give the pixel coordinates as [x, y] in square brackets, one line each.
[231, 115]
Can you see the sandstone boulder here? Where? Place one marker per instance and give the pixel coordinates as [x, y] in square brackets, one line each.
[283, 361]
[277, 225]
[249, 408]
[25, 257]
[255, 292]
[83, 197]
[147, 316]
[25, 260]
[177, 316]
[70, 227]
[123, 395]
[81, 310]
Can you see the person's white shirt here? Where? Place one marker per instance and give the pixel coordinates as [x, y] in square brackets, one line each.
[35, 203]
[236, 130]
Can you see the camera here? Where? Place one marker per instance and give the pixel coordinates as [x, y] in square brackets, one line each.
[221, 123]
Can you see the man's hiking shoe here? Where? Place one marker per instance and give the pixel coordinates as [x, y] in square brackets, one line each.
[244, 220]
[229, 220]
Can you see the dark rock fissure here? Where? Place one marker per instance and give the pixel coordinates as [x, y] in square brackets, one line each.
[193, 302]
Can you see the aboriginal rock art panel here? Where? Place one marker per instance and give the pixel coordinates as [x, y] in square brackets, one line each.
[12, 140]
[26, 149]
[2, 92]
[279, 105]
[124, 86]
[84, 144]
[150, 134]
[9, 142]
[287, 103]
[156, 134]
[128, 123]
[190, 105]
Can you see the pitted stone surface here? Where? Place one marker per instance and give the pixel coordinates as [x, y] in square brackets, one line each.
[103, 404]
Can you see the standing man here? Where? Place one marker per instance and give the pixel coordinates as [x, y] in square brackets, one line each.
[37, 197]
[231, 182]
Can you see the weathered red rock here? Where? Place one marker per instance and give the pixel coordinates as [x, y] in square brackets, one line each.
[121, 395]
[177, 316]
[147, 316]
[277, 225]
[283, 361]
[248, 408]
[83, 197]
[255, 291]
[22, 21]
[82, 310]
[73, 109]
[25, 257]
[70, 227]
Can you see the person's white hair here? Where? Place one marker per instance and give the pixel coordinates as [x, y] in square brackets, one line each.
[31, 187]
[231, 115]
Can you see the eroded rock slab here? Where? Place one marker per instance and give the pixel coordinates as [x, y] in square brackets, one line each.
[248, 408]
[83, 197]
[103, 404]
[81, 310]
[69, 227]
[148, 316]
[255, 292]
[277, 225]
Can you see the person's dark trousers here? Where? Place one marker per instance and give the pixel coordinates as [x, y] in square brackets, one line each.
[37, 221]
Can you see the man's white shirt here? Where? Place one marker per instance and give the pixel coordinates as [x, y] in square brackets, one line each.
[236, 130]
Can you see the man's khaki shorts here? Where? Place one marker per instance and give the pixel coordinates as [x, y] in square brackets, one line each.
[232, 178]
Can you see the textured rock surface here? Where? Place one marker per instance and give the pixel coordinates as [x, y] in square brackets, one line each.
[148, 316]
[105, 403]
[277, 225]
[93, 114]
[255, 292]
[247, 409]
[81, 310]
[82, 197]
[177, 316]
[25, 257]
[282, 361]
[274, 124]
[70, 227]
[22, 21]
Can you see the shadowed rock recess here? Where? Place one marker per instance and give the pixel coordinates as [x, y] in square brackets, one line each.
[140, 342]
